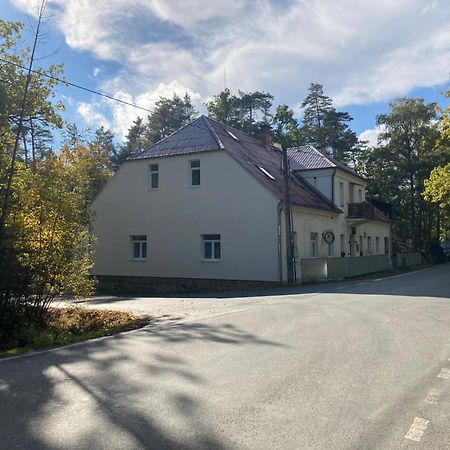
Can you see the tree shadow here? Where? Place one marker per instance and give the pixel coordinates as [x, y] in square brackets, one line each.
[134, 390]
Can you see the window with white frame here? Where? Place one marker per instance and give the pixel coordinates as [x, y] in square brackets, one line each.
[369, 245]
[195, 172]
[341, 194]
[330, 250]
[360, 195]
[314, 245]
[377, 245]
[211, 247]
[138, 247]
[154, 176]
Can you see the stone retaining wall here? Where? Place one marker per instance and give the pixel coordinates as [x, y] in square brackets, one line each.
[152, 286]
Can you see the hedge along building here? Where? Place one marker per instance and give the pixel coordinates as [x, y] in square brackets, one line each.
[207, 203]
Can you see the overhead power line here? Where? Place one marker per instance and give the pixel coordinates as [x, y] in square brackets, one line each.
[37, 72]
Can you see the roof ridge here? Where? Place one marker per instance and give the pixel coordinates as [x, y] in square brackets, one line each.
[216, 137]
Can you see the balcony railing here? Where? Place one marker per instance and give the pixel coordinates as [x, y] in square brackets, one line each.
[361, 211]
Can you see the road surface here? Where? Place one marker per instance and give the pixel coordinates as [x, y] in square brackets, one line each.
[352, 365]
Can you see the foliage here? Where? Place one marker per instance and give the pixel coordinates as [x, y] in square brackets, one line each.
[285, 127]
[168, 116]
[398, 166]
[41, 113]
[245, 111]
[437, 186]
[326, 128]
[45, 248]
[67, 325]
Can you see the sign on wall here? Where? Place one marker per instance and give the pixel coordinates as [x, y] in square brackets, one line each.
[328, 236]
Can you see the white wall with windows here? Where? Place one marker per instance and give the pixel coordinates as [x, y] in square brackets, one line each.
[202, 216]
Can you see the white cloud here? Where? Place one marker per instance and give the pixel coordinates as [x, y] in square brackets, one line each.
[372, 135]
[123, 115]
[361, 51]
[91, 116]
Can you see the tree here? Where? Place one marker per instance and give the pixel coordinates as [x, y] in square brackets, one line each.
[44, 238]
[104, 139]
[326, 128]
[246, 111]
[286, 130]
[225, 108]
[168, 116]
[402, 161]
[316, 106]
[254, 109]
[134, 142]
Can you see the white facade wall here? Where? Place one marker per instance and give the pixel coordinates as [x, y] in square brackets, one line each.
[351, 187]
[320, 179]
[229, 202]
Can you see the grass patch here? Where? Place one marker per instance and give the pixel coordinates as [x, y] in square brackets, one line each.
[64, 326]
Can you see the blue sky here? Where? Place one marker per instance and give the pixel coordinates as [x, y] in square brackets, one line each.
[365, 53]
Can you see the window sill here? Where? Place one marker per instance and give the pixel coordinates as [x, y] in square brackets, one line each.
[138, 259]
[194, 187]
[152, 189]
[211, 260]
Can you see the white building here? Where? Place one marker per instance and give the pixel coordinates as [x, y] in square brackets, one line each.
[207, 202]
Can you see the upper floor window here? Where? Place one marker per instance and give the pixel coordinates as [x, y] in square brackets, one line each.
[211, 247]
[154, 176]
[139, 247]
[195, 172]
[341, 194]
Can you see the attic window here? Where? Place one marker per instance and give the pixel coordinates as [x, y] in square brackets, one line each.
[232, 135]
[265, 172]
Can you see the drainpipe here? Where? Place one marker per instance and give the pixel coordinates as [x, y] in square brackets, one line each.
[280, 260]
[332, 186]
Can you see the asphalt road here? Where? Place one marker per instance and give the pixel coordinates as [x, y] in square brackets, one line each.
[336, 366]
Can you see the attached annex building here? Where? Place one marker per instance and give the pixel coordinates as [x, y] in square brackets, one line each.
[207, 202]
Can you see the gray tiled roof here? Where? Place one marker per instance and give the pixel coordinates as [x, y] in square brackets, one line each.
[307, 157]
[192, 138]
[205, 134]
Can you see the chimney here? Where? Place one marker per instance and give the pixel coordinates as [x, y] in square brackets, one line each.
[265, 134]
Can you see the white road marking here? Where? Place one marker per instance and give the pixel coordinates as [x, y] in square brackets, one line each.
[417, 429]
[433, 396]
[444, 373]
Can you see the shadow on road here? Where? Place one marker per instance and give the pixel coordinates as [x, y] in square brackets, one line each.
[109, 393]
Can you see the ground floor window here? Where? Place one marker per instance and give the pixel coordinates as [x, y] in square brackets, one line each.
[330, 250]
[138, 246]
[369, 245]
[211, 247]
[377, 245]
[342, 245]
[386, 246]
[314, 245]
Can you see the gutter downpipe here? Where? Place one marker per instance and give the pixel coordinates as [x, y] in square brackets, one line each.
[280, 260]
[332, 186]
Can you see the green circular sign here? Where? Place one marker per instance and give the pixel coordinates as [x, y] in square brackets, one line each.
[328, 236]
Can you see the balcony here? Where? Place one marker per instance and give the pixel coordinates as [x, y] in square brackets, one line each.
[361, 211]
